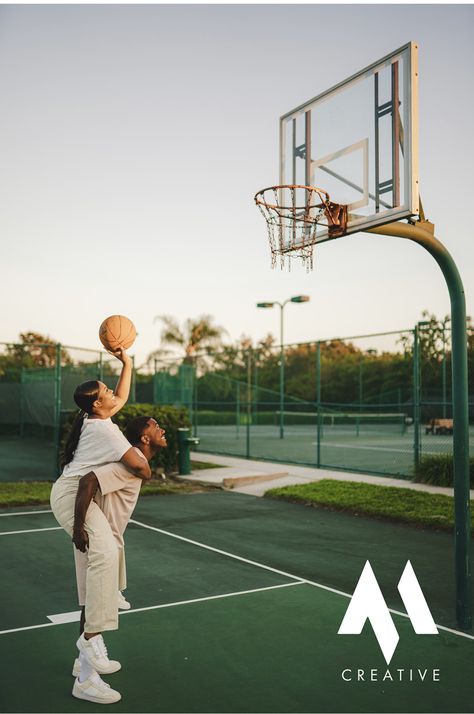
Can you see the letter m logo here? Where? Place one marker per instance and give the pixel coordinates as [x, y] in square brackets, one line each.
[367, 603]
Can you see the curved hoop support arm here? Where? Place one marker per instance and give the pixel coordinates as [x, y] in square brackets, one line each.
[423, 234]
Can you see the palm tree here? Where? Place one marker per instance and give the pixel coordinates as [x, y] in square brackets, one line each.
[190, 343]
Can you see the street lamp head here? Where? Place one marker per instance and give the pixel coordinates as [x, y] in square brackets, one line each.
[300, 298]
[265, 304]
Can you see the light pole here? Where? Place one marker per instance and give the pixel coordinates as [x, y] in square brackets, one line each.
[296, 298]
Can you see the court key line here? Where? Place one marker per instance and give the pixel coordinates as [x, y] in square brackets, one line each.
[32, 530]
[157, 607]
[282, 572]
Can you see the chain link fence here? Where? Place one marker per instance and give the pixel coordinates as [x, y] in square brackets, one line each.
[373, 403]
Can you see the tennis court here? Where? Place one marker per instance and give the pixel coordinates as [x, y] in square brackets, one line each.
[385, 451]
[236, 603]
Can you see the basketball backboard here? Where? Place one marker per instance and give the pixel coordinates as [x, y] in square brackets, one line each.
[359, 142]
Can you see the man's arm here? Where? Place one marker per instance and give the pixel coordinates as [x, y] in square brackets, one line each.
[88, 485]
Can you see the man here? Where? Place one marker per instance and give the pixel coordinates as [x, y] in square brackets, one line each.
[115, 490]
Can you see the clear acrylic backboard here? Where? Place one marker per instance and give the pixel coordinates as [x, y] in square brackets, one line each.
[359, 142]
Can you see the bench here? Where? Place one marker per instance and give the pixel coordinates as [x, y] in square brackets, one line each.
[439, 426]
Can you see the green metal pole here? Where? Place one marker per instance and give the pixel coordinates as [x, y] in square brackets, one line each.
[133, 392]
[282, 375]
[423, 235]
[22, 402]
[237, 409]
[249, 401]
[416, 397]
[57, 404]
[195, 401]
[443, 372]
[318, 400]
[255, 391]
[360, 397]
[101, 367]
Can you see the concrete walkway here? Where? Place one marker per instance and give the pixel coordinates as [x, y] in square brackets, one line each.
[256, 477]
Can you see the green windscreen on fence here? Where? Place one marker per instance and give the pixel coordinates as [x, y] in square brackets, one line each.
[365, 404]
[358, 404]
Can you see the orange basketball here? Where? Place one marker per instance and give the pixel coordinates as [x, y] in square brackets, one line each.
[117, 331]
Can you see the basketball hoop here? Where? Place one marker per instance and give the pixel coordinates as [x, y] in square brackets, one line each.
[293, 214]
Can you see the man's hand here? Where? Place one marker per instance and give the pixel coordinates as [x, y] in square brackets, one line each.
[80, 538]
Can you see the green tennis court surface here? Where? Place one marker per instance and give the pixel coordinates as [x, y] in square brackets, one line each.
[229, 614]
[27, 459]
[375, 449]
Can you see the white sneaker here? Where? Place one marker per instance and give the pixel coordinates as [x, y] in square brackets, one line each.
[114, 666]
[122, 603]
[95, 690]
[96, 654]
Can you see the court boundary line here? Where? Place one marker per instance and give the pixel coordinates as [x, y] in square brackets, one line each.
[24, 513]
[288, 575]
[32, 530]
[158, 607]
[299, 579]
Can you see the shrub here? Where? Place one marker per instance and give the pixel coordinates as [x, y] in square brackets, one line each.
[438, 470]
[170, 418]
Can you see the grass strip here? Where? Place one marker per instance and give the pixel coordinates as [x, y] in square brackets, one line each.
[25, 493]
[36, 493]
[200, 465]
[418, 508]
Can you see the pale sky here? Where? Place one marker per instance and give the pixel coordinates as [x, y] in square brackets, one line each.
[132, 141]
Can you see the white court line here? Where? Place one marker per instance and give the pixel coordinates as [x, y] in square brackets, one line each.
[33, 530]
[23, 513]
[63, 617]
[224, 552]
[330, 444]
[152, 607]
[244, 560]
[213, 597]
[288, 575]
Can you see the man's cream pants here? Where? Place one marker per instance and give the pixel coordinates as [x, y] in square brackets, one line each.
[102, 574]
[117, 498]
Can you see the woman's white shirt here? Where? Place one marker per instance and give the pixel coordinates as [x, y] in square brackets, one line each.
[100, 442]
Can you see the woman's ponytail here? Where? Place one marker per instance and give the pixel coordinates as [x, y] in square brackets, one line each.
[84, 396]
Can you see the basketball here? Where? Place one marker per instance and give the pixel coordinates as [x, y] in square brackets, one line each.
[117, 331]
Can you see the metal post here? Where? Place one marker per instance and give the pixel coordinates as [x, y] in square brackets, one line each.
[249, 400]
[360, 397]
[423, 235]
[416, 397]
[282, 374]
[195, 401]
[101, 367]
[255, 391]
[133, 392]
[318, 401]
[155, 383]
[443, 372]
[22, 402]
[237, 409]
[57, 404]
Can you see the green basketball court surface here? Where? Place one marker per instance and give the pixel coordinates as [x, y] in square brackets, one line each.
[236, 604]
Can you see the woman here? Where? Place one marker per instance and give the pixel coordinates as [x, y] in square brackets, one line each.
[94, 440]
